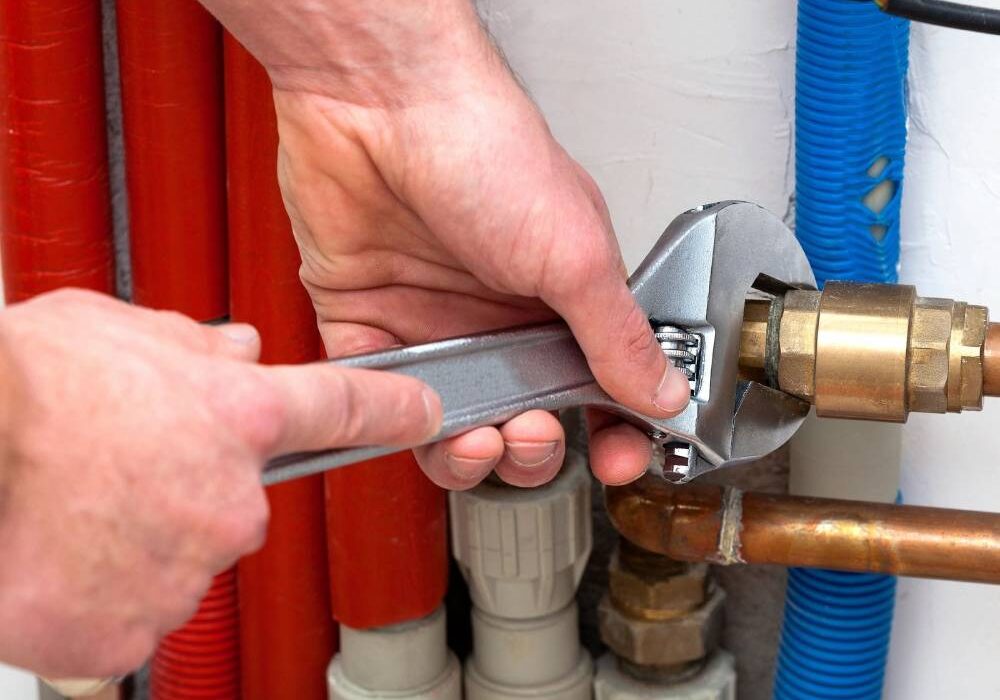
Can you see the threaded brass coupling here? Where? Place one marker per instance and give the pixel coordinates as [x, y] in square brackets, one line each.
[868, 351]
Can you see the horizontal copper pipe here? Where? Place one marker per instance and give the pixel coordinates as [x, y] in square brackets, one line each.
[991, 361]
[725, 526]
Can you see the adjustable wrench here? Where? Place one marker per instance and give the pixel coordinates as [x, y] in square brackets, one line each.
[692, 286]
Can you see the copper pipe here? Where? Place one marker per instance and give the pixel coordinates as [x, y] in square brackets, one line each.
[991, 361]
[725, 526]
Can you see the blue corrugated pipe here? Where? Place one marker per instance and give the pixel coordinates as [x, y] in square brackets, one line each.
[850, 131]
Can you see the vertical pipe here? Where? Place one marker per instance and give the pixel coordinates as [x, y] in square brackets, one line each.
[170, 55]
[287, 632]
[170, 58]
[850, 141]
[55, 210]
[394, 568]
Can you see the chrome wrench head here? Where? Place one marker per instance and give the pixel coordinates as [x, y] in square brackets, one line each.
[697, 277]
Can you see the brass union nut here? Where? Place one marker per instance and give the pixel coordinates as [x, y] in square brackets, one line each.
[965, 361]
[663, 643]
[646, 593]
[797, 341]
[927, 376]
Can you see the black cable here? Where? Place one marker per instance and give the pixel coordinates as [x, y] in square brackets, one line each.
[945, 14]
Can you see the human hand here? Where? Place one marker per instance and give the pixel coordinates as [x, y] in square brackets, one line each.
[133, 447]
[453, 211]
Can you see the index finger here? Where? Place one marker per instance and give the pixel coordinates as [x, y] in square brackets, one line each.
[322, 406]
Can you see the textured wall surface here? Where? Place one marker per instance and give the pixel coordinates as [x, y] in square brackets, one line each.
[668, 105]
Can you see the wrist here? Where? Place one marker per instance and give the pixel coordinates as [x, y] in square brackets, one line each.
[377, 53]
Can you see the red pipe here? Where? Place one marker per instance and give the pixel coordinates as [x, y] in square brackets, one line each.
[202, 660]
[287, 633]
[170, 55]
[170, 52]
[387, 535]
[55, 209]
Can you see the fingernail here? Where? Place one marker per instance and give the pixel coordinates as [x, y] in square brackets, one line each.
[242, 333]
[628, 481]
[465, 468]
[674, 391]
[433, 410]
[531, 454]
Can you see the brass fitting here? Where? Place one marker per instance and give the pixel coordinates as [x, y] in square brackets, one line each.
[869, 351]
[661, 617]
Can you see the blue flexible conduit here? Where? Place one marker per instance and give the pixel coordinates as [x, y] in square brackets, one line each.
[850, 130]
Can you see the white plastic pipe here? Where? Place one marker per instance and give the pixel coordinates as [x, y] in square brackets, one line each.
[410, 661]
[523, 552]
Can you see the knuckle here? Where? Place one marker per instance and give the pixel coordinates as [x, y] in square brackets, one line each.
[257, 413]
[242, 527]
[637, 334]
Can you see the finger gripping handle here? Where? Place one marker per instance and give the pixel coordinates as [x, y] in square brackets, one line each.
[483, 379]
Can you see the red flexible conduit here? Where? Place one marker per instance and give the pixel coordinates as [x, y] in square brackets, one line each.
[288, 636]
[55, 210]
[170, 54]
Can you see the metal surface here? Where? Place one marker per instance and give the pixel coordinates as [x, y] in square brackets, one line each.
[870, 351]
[991, 361]
[726, 526]
[695, 278]
[861, 351]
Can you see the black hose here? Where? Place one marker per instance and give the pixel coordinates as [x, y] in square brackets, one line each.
[945, 14]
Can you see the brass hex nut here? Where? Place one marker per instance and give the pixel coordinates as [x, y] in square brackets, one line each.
[657, 595]
[975, 321]
[927, 375]
[797, 344]
[669, 642]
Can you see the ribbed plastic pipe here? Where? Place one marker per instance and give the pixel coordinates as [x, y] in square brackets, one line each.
[850, 141]
[835, 635]
[202, 659]
[287, 634]
[850, 137]
[55, 208]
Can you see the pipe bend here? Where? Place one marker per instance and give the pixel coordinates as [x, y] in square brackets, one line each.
[722, 525]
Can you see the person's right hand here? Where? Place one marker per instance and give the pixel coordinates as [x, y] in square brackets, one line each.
[132, 446]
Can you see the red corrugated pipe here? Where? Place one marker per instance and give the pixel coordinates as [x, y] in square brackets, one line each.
[55, 211]
[170, 55]
[201, 660]
[287, 633]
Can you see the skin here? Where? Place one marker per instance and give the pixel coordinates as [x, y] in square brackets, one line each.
[428, 199]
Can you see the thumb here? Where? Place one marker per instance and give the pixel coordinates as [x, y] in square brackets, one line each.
[324, 406]
[617, 339]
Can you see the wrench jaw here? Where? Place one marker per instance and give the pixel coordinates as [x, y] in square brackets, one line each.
[697, 277]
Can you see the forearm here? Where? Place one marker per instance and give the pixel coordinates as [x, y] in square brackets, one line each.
[363, 51]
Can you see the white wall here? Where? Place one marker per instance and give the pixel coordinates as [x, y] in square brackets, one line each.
[668, 104]
[17, 685]
[946, 643]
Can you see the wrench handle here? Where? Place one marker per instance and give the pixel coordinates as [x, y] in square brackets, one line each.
[483, 379]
